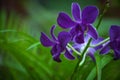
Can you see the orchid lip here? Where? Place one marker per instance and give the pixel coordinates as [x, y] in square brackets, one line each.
[57, 42]
[79, 22]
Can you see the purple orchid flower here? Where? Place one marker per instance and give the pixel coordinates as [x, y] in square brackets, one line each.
[91, 50]
[58, 44]
[114, 42]
[82, 22]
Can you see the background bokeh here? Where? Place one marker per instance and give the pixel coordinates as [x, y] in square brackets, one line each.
[22, 57]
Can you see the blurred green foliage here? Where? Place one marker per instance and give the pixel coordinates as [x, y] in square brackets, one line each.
[22, 57]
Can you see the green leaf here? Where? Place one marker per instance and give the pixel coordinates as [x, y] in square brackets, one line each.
[100, 64]
[7, 30]
[33, 45]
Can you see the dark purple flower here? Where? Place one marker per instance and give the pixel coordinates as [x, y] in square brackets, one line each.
[91, 50]
[58, 44]
[114, 42]
[82, 22]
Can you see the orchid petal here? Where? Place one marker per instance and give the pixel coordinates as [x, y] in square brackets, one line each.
[105, 49]
[79, 38]
[115, 45]
[64, 38]
[114, 32]
[57, 57]
[89, 14]
[76, 29]
[87, 37]
[116, 54]
[52, 32]
[92, 31]
[73, 32]
[91, 52]
[69, 55]
[65, 21]
[76, 11]
[56, 50]
[45, 41]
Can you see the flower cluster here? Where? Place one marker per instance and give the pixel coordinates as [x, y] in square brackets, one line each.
[113, 43]
[81, 33]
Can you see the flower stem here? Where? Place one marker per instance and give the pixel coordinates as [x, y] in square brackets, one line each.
[75, 70]
[83, 59]
[74, 49]
[99, 73]
[100, 20]
[80, 59]
[103, 13]
[86, 47]
[85, 52]
[100, 43]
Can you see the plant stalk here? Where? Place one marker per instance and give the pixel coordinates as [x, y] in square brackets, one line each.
[100, 43]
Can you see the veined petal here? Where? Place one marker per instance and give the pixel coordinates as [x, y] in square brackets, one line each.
[114, 32]
[105, 49]
[52, 32]
[69, 55]
[73, 32]
[116, 54]
[89, 14]
[79, 38]
[45, 41]
[91, 52]
[64, 38]
[76, 11]
[86, 38]
[57, 57]
[115, 44]
[56, 50]
[76, 29]
[65, 21]
[92, 31]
